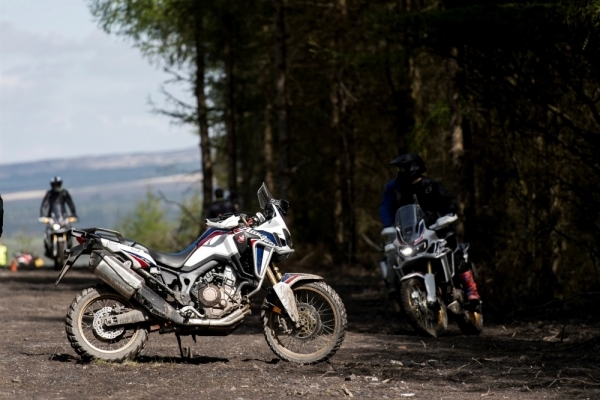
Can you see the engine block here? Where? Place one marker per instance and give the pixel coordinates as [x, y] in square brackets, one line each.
[214, 292]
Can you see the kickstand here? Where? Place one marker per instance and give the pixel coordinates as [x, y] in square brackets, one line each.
[187, 354]
[179, 343]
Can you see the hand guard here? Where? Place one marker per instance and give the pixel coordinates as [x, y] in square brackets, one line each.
[443, 222]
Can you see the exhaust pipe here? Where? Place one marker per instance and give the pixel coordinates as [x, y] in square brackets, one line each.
[129, 284]
[231, 319]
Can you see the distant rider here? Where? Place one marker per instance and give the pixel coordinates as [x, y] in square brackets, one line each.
[434, 200]
[221, 205]
[56, 199]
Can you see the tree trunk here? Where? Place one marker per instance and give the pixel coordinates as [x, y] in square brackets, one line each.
[281, 100]
[344, 209]
[229, 106]
[461, 149]
[207, 167]
[268, 137]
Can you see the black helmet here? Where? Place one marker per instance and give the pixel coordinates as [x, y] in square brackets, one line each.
[410, 167]
[56, 182]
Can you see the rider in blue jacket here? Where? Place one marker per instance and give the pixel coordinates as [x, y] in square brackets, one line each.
[434, 200]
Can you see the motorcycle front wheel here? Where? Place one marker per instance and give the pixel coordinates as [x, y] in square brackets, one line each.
[322, 325]
[413, 299]
[59, 260]
[91, 339]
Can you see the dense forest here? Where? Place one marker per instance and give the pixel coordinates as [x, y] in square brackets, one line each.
[315, 97]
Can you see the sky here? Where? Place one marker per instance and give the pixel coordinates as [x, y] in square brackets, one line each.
[68, 89]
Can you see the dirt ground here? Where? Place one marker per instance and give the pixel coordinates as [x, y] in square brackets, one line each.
[381, 357]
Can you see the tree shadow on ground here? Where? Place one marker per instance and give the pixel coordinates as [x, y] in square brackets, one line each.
[194, 360]
[197, 360]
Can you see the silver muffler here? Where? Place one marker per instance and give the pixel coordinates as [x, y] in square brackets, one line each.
[130, 285]
[115, 274]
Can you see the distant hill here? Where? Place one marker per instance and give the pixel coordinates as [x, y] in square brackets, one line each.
[103, 188]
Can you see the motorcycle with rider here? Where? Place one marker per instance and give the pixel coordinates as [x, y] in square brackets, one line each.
[426, 270]
[53, 213]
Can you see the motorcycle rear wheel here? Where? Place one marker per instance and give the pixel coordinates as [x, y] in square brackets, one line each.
[91, 339]
[323, 328]
[413, 299]
[471, 323]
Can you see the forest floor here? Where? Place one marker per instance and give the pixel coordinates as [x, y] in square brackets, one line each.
[380, 358]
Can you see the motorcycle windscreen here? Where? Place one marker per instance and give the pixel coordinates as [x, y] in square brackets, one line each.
[264, 196]
[56, 211]
[409, 224]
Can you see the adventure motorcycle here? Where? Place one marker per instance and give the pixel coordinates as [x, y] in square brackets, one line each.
[425, 267]
[56, 239]
[203, 290]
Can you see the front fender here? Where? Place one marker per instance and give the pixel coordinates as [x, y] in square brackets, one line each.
[413, 275]
[293, 278]
[284, 291]
[429, 281]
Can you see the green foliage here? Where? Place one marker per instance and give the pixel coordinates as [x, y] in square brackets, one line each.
[147, 225]
[24, 242]
[500, 97]
[188, 221]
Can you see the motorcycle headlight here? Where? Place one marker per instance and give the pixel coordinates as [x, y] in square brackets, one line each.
[407, 251]
[56, 227]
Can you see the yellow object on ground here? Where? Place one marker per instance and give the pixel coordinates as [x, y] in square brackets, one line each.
[38, 262]
[3, 251]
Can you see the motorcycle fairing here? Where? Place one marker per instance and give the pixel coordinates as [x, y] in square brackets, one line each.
[263, 243]
[142, 261]
[209, 234]
[217, 243]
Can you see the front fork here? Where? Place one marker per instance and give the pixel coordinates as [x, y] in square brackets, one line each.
[273, 274]
[430, 285]
[55, 243]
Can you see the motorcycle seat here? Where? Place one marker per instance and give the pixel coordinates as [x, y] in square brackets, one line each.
[172, 260]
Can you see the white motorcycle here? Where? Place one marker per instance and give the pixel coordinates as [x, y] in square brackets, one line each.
[203, 290]
[424, 264]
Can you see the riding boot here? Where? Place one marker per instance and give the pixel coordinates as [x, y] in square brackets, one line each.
[469, 285]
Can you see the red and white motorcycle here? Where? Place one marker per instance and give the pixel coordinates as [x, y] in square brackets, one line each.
[203, 290]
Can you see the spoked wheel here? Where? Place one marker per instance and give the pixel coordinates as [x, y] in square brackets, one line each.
[320, 331]
[91, 338]
[471, 323]
[432, 321]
